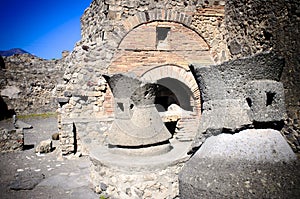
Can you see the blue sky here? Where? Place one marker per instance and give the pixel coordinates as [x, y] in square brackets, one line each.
[42, 27]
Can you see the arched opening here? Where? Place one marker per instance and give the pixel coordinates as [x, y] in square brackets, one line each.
[173, 101]
[172, 91]
[164, 98]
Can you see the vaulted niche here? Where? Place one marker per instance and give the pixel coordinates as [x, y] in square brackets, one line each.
[172, 91]
[172, 99]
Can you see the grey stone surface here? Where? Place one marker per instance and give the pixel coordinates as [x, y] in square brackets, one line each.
[123, 85]
[231, 114]
[63, 99]
[265, 31]
[11, 92]
[258, 145]
[26, 180]
[266, 100]
[22, 125]
[63, 178]
[249, 164]
[211, 84]
[228, 80]
[227, 115]
[218, 178]
[78, 180]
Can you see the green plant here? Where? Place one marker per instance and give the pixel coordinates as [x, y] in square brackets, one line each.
[102, 197]
[41, 115]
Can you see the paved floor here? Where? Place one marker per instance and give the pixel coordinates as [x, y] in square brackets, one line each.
[25, 174]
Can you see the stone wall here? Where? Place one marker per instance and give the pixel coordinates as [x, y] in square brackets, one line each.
[28, 84]
[253, 26]
[11, 140]
[117, 182]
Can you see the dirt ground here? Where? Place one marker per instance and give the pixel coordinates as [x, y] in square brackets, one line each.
[26, 174]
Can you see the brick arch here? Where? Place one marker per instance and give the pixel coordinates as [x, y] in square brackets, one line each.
[141, 47]
[171, 61]
[135, 61]
[149, 16]
[177, 73]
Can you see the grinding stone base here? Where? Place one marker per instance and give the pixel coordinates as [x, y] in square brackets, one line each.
[147, 151]
[115, 182]
[125, 176]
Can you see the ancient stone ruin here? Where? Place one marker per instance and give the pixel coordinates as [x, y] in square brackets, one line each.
[184, 99]
[167, 87]
[28, 85]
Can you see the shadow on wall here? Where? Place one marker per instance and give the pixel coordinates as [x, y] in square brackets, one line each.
[2, 64]
[5, 113]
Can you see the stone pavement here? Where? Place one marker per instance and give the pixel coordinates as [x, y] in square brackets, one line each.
[26, 174]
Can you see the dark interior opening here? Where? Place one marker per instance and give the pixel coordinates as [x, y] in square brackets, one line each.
[267, 35]
[172, 91]
[131, 106]
[270, 98]
[61, 104]
[171, 126]
[139, 146]
[162, 33]
[4, 111]
[164, 98]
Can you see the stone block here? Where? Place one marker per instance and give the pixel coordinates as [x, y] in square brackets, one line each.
[210, 82]
[229, 114]
[63, 100]
[142, 17]
[256, 163]
[255, 145]
[234, 47]
[266, 101]
[55, 136]
[44, 146]
[228, 79]
[12, 92]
